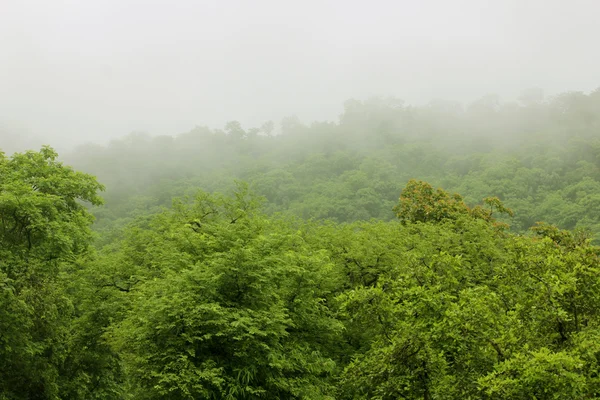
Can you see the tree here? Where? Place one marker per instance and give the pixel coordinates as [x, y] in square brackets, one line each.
[231, 306]
[44, 231]
[419, 202]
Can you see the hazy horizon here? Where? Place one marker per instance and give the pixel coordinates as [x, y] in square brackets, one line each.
[75, 72]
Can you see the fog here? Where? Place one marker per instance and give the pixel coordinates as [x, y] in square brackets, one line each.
[75, 71]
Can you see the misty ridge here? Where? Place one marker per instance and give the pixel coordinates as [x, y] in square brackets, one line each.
[535, 154]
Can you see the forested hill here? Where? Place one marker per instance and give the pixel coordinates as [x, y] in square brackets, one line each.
[330, 270]
[541, 157]
[213, 299]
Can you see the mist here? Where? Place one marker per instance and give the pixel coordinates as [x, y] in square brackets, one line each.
[74, 72]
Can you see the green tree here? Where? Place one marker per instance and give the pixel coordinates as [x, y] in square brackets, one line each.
[231, 305]
[44, 231]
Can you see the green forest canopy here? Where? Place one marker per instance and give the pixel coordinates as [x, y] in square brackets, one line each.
[336, 272]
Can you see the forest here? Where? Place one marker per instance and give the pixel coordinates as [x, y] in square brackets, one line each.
[401, 252]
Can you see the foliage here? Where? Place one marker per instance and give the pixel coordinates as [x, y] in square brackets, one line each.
[232, 307]
[313, 281]
[44, 231]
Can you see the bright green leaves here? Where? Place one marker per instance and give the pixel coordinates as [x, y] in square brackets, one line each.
[236, 311]
[44, 230]
[460, 309]
[539, 374]
[40, 212]
[403, 367]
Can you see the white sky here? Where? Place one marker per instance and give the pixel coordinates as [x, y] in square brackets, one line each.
[88, 70]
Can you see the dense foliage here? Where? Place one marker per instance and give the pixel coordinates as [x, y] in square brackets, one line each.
[44, 237]
[332, 274]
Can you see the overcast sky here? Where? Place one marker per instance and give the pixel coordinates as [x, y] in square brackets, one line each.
[73, 71]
